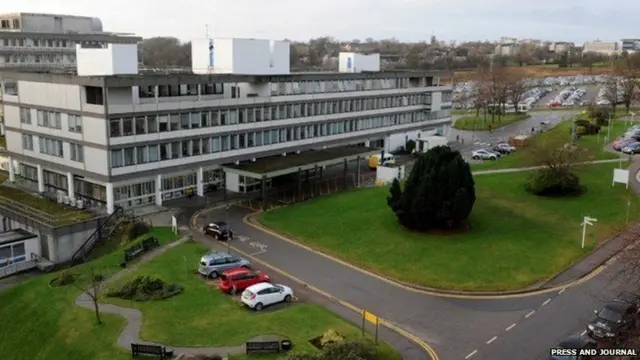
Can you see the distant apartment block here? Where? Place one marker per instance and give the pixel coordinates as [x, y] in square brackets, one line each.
[508, 40]
[601, 47]
[510, 49]
[560, 47]
[45, 41]
[630, 45]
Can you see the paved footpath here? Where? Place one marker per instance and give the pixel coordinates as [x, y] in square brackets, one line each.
[131, 332]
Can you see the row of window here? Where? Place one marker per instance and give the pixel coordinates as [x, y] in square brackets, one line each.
[53, 147]
[52, 119]
[169, 183]
[180, 90]
[194, 120]
[213, 144]
[93, 94]
[447, 96]
[54, 181]
[48, 58]
[51, 43]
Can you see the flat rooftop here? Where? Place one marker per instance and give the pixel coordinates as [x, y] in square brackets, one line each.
[39, 209]
[153, 77]
[16, 235]
[281, 165]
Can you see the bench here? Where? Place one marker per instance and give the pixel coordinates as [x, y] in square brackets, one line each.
[262, 347]
[136, 250]
[157, 350]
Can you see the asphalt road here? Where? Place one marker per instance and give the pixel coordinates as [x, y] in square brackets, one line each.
[454, 327]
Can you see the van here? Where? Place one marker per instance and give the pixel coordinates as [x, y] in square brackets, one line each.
[374, 160]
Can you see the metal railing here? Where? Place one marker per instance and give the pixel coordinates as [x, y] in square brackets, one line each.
[101, 232]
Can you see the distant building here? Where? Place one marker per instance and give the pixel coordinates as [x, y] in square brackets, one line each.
[506, 49]
[601, 47]
[508, 40]
[561, 47]
[630, 45]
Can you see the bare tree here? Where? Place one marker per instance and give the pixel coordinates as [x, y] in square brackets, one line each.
[629, 70]
[557, 153]
[479, 93]
[611, 93]
[93, 289]
[516, 87]
[498, 91]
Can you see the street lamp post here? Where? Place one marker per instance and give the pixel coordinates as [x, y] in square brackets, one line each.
[609, 126]
[226, 220]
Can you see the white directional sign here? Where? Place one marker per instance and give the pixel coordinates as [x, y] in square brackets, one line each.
[587, 221]
[620, 176]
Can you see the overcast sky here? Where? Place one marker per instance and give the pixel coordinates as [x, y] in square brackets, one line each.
[407, 20]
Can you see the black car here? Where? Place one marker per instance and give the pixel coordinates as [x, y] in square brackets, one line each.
[219, 230]
[575, 342]
[613, 322]
[626, 297]
[501, 150]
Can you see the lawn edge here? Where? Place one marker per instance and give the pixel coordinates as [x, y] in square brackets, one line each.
[528, 116]
[254, 220]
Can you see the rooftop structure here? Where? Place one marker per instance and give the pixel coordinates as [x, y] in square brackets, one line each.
[108, 134]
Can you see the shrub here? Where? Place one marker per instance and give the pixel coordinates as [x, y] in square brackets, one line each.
[64, 278]
[439, 193]
[359, 349]
[329, 337]
[145, 288]
[585, 127]
[555, 182]
[600, 114]
[410, 146]
[137, 229]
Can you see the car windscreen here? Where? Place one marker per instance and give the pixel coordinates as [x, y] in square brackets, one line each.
[609, 315]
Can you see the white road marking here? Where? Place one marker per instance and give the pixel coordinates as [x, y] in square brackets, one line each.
[471, 354]
[258, 253]
[492, 340]
[529, 314]
[546, 302]
[511, 327]
[582, 333]
[561, 291]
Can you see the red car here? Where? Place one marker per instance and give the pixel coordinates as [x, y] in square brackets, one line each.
[236, 280]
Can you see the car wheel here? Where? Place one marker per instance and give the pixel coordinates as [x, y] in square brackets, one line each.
[287, 299]
[492, 158]
[245, 266]
[475, 158]
[213, 275]
[258, 307]
[216, 236]
[233, 291]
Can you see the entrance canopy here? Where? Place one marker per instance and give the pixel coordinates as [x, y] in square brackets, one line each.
[278, 165]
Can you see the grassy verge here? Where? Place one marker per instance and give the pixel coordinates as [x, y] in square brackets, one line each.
[516, 239]
[187, 319]
[472, 122]
[34, 311]
[595, 144]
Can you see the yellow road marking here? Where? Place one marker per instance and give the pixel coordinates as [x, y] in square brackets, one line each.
[432, 353]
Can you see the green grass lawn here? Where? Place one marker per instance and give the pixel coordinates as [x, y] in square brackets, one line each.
[471, 122]
[517, 239]
[40, 322]
[595, 144]
[204, 316]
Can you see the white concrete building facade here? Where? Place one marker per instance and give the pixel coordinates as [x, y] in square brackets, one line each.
[131, 140]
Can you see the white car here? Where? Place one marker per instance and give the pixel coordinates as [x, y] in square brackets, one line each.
[264, 294]
[506, 147]
[484, 155]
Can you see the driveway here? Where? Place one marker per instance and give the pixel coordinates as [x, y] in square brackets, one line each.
[453, 326]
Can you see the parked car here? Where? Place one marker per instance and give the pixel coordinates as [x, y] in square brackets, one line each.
[264, 294]
[507, 147]
[632, 148]
[575, 342]
[629, 298]
[234, 280]
[622, 143]
[220, 230]
[215, 263]
[483, 155]
[613, 321]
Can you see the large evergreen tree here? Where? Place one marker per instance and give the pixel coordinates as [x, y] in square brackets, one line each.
[439, 193]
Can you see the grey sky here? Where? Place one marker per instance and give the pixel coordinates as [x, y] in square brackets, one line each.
[409, 20]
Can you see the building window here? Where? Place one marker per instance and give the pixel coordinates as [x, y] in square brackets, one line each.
[154, 154]
[117, 159]
[127, 126]
[152, 124]
[11, 87]
[145, 92]
[129, 156]
[50, 147]
[12, 254]
[50, 119]
[163, 123]
[27, 142]
[75, 123]
[94, 95]
[141, 155]
[76, 152]
[25, 116]
[140, 125]
[115, 129]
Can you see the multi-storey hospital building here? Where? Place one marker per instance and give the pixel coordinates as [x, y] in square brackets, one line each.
[112, 135]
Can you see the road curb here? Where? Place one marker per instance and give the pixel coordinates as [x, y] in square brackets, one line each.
[458, 294]
[423, 345]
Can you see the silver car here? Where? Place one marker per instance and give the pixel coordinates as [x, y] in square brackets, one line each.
[215, 263]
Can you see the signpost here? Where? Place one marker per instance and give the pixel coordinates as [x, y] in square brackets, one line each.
[586, 221]
[620, 176]
[226, 219]
[174, 224]
[367, 316]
